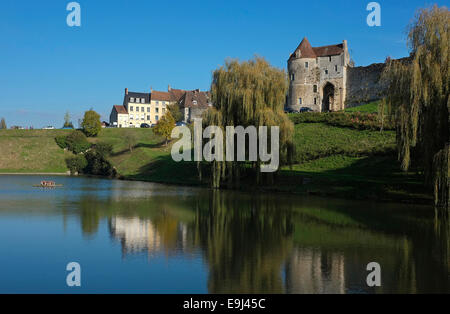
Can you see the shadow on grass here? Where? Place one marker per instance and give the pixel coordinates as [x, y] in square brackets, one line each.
[139, 145]
[375, 177]
[165, 170]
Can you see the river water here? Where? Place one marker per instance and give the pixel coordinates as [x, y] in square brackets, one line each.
[136, 237]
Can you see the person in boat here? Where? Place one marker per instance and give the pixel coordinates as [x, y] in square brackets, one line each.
[48, 183]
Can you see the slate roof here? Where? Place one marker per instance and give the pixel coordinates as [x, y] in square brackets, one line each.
[135, 95]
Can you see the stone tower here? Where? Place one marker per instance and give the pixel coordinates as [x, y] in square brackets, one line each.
[318, 77]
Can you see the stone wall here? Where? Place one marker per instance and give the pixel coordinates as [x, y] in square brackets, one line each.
[364, 84]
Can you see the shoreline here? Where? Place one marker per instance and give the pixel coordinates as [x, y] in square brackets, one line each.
[265, 189]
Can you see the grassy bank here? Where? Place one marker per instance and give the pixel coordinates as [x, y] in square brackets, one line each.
[330, 161]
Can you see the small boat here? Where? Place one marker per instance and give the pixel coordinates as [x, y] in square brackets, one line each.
[48, 184]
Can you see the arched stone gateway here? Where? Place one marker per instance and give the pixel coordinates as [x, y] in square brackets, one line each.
[328, 97]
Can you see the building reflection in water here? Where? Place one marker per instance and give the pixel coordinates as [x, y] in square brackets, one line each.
[313, 271]
[138, 235]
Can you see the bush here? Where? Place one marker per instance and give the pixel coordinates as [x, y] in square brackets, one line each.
[76, 164]
[77, 142]
[91, 124]
[104, 149]
[98, 165]
[61, 141]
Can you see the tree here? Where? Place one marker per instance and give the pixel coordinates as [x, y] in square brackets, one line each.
[165, 126]
[76, 142]
[419, 92]
[130, 138]
[91, 124]
[67, 122]
[3, 124]
[176, 113]
[76, 164]
[250, 93]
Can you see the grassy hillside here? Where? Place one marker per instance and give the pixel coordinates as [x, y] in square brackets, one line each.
[31, 151]
[330, 160]
[369, 108]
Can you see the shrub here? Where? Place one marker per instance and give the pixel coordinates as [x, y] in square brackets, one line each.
[61, 141]
[104, 149]
[98, 165]
[77, 142]
[76, 163]
[91, 124]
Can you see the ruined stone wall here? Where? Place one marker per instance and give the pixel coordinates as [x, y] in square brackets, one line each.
[364, 84]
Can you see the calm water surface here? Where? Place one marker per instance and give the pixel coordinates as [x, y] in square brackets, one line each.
[133, 237]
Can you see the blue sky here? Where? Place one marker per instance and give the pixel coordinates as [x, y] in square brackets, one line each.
[48, 68]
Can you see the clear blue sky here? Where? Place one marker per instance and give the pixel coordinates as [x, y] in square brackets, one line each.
[47, 68]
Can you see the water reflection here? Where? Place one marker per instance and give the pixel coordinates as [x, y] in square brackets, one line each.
[262, 243]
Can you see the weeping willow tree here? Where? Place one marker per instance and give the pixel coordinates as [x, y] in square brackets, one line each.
[250, 93]
[419, 92]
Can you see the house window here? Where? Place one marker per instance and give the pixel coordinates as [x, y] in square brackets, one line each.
[306, 64]
[164, 103]
[142, 117]
[292, 77]
[142, 100]
[131, 108]
[148, 109]
[326, 72]
[131, 117]
[194, 102]
[164, 110]
[156, 118]
[315, 101]
[157, 102]
[300, 102]
[132, 99]
[329, 58]
[315, 88]
[157, 110]
[335, 68]
[142, 109]
[148, 117]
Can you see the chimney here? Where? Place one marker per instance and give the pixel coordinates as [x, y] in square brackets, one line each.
[169, 88]
[151, 89]
[126, 91]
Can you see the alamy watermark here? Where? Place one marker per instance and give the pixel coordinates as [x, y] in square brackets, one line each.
[213, 150]
[73, 279]
[374, 277]
[374, 18]
[74, 17]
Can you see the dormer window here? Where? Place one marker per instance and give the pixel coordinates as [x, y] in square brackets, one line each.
[142, 100]
[132, 99]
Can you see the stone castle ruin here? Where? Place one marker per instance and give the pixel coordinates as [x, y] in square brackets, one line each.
[324, 79]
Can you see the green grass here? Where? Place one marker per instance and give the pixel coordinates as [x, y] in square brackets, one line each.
[369, 108]
[318, 140]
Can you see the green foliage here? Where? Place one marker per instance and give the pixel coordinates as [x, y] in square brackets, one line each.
[355, 120]
[3, 124]
[130, 138]
[76, 164]
[77, 142]
[61, 141]
[419, 89]
[97, 164]
[104, 149]
[250, 93]
[67, 122]
[165, 126]
[176, 113]
[91, 124]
